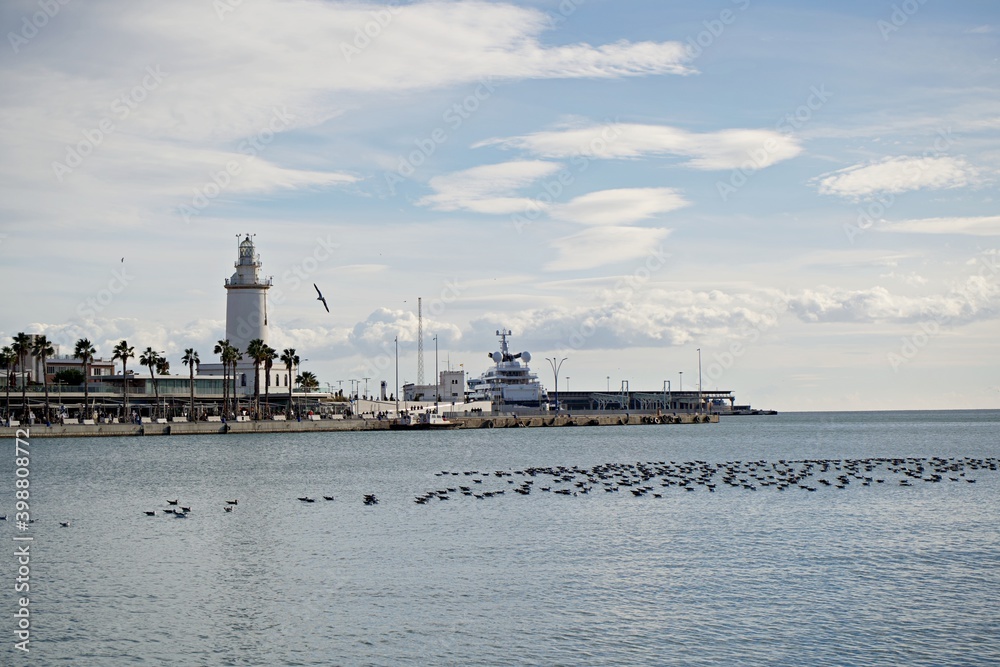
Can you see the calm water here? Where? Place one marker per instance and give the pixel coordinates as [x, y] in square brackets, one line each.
[866, 575]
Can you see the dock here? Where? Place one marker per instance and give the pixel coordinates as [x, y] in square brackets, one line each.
[349, 424]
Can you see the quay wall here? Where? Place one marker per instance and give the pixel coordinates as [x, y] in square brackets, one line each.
[324, 425]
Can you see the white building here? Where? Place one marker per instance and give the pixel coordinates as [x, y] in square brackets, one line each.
[246, 318]
[246, 298]
[451, 389]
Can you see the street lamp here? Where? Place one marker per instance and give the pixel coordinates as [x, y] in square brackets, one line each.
[666, 394]
[567, 384]
[396, 341]
[699, 379]
[555, 373]
[609, 384]
[437, 374]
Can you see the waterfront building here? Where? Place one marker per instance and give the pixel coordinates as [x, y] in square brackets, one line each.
[450, 388]
[247, 318]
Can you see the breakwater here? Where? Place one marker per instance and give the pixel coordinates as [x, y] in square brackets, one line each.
[355, 424]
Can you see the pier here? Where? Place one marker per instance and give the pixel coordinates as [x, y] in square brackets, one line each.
[348, 424]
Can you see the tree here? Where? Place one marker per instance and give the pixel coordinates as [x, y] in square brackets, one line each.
[308, 381]
[220, 349]
[8, 357]
[151, 359]
[22, 346]
[123, 352]
[231, 356]
[85, 352]
[190, 359]
[255, 351]
[42, 348]
[270, 354]
[290, 359]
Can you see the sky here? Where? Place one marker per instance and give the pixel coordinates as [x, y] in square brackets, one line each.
[804, 192]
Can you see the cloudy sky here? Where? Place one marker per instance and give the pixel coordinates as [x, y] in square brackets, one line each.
[805, 193]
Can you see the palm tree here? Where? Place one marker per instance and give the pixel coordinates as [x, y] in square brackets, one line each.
[22, 346]
[290, 359]
[85, 352]
[42, 348]
[233, 356]
[308, 381]
[190, 359]
[151, 359]
[7, 357]
[123, 352]
[255, 350]
[220, 349]
[270, 354]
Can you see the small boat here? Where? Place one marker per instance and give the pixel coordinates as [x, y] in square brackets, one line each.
[430, 419]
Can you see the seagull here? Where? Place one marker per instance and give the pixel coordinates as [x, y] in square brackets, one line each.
[64, 524]
[320, 298]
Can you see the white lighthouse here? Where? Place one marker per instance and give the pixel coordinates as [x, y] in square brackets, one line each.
[246, 298]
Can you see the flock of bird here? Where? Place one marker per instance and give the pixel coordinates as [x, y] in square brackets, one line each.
[181, 512]
[658, 478]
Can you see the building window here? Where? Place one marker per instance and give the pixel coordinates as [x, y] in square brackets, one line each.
[243, 380]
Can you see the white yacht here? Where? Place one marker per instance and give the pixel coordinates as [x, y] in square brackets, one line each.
[510, 382]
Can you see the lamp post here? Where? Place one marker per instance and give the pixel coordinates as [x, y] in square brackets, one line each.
[437, 374]
[625, 397]
[396, 341]
[666, 394]
[567, 384]
[609, 384]
[699, 380]
[555, 373]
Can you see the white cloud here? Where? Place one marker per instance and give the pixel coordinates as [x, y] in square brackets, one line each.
[710, 151]
[488, 188]
[975, 298]
[898, 174]
[597, 246]
[376, 334]
[988, 225]
[222, 80]
[619, 207]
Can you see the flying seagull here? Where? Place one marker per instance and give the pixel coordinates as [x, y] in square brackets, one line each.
[320, 298]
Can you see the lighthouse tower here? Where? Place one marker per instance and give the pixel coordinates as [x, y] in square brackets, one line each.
[246, 298]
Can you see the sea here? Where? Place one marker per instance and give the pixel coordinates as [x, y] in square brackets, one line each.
[531, 546]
